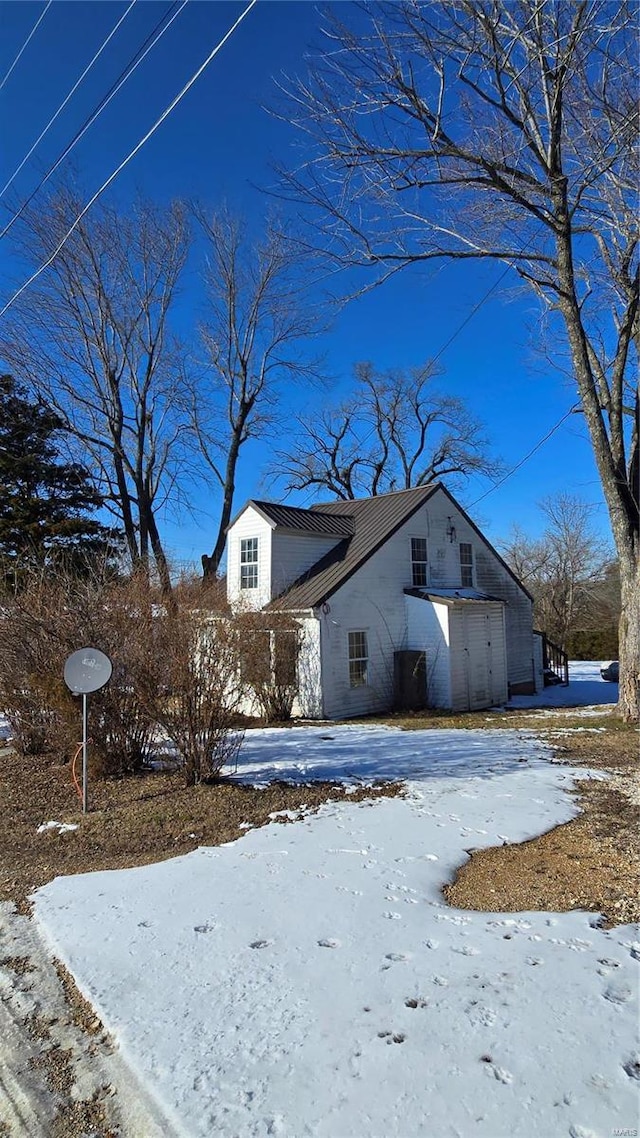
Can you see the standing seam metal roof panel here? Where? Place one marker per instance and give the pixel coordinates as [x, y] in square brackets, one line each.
[376, 520]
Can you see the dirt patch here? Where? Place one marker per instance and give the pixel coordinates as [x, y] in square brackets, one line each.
[590, 863]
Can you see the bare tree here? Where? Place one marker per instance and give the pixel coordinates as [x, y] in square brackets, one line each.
[396, 431]
[562, 567]
[256, 323]
[485, 130]
[94, 331]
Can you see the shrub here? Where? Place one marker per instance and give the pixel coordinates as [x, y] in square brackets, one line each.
[195, 695]
[269, 647]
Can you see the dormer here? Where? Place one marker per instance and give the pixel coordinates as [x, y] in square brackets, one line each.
[270, 546]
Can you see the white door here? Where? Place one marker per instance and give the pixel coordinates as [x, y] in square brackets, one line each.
[485, 657]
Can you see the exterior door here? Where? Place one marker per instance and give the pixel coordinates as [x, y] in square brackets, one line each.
[483, 637]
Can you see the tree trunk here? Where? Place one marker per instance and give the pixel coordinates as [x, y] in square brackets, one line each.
[629, 640]
[618, 494]
[210, 564]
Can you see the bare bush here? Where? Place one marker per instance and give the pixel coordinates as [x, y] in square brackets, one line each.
[52, 617]
[175, 670]
[269, 646]
[194, 693]
[32, 692]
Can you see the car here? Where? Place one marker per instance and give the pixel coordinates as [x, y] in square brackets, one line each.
[610, 671]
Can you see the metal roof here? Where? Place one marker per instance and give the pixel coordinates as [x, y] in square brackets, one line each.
[374, 520]
[452, 596]
[334, 524]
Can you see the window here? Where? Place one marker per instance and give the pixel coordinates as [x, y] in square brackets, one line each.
[249, 563]
[466, 564]
[418, 561]
[358, 659]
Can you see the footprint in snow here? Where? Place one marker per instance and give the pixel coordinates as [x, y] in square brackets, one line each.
[499, 1073]
[632, 1066]
[392, 1036]
[441, 981]
[392, 916]
[260, 943]
[576, 1131]
[431, 943]
[466, 950]
[398, 956]
[203, 928]
[533, 960]
[415, 1002]
[480, 1015]
[618, 994]
[329, 942]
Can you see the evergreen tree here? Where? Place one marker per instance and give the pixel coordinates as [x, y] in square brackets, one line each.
[46, 503]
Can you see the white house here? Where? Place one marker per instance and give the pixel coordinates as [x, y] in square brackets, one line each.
[402, 601]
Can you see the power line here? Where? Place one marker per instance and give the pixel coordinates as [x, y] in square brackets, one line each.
[131, 155]
[526, 458]
[31, 33]
[125, 74]
[66, 100]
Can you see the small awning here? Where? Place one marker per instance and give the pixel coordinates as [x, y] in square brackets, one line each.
[453, 596]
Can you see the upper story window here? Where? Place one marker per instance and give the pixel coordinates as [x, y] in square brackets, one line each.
[249, 563]
[466, 564]
[358, 659]
[418, 561]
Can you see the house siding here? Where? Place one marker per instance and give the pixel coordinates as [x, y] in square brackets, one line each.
[493, 578]
[372, 601]
[308, 703]
[428, 632]
[489, 576]
[249, 524]
[292, 554]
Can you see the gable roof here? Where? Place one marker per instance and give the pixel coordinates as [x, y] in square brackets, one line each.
[374, 521]
[333, 524]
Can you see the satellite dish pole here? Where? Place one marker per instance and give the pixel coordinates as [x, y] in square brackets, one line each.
[85, 671]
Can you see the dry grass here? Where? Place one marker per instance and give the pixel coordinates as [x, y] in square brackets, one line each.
[131, 821]
[592, 862]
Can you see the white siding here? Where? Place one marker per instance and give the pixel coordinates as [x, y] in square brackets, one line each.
[489, 576]
[249, 524]
[428, 632]
[308, 705]
[372, 601]
[292, 554]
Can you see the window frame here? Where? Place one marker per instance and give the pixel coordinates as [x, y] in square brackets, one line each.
[419, 565]
[466, 565]
[358, 658]
[249, 565]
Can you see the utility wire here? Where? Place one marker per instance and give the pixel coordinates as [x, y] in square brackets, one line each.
[526, 458]
[133, 63]
[132, 153]
[66, 100]
[31, 33]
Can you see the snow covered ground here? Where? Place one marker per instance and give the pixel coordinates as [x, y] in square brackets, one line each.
[309, 980]
[585, 687]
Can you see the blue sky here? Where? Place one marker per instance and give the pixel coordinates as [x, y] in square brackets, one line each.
[218, 145]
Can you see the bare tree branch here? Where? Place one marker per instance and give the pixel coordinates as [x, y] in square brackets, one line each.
[95, 336]
[253, 335]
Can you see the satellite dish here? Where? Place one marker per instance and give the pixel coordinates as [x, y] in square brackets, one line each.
[87, 670]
